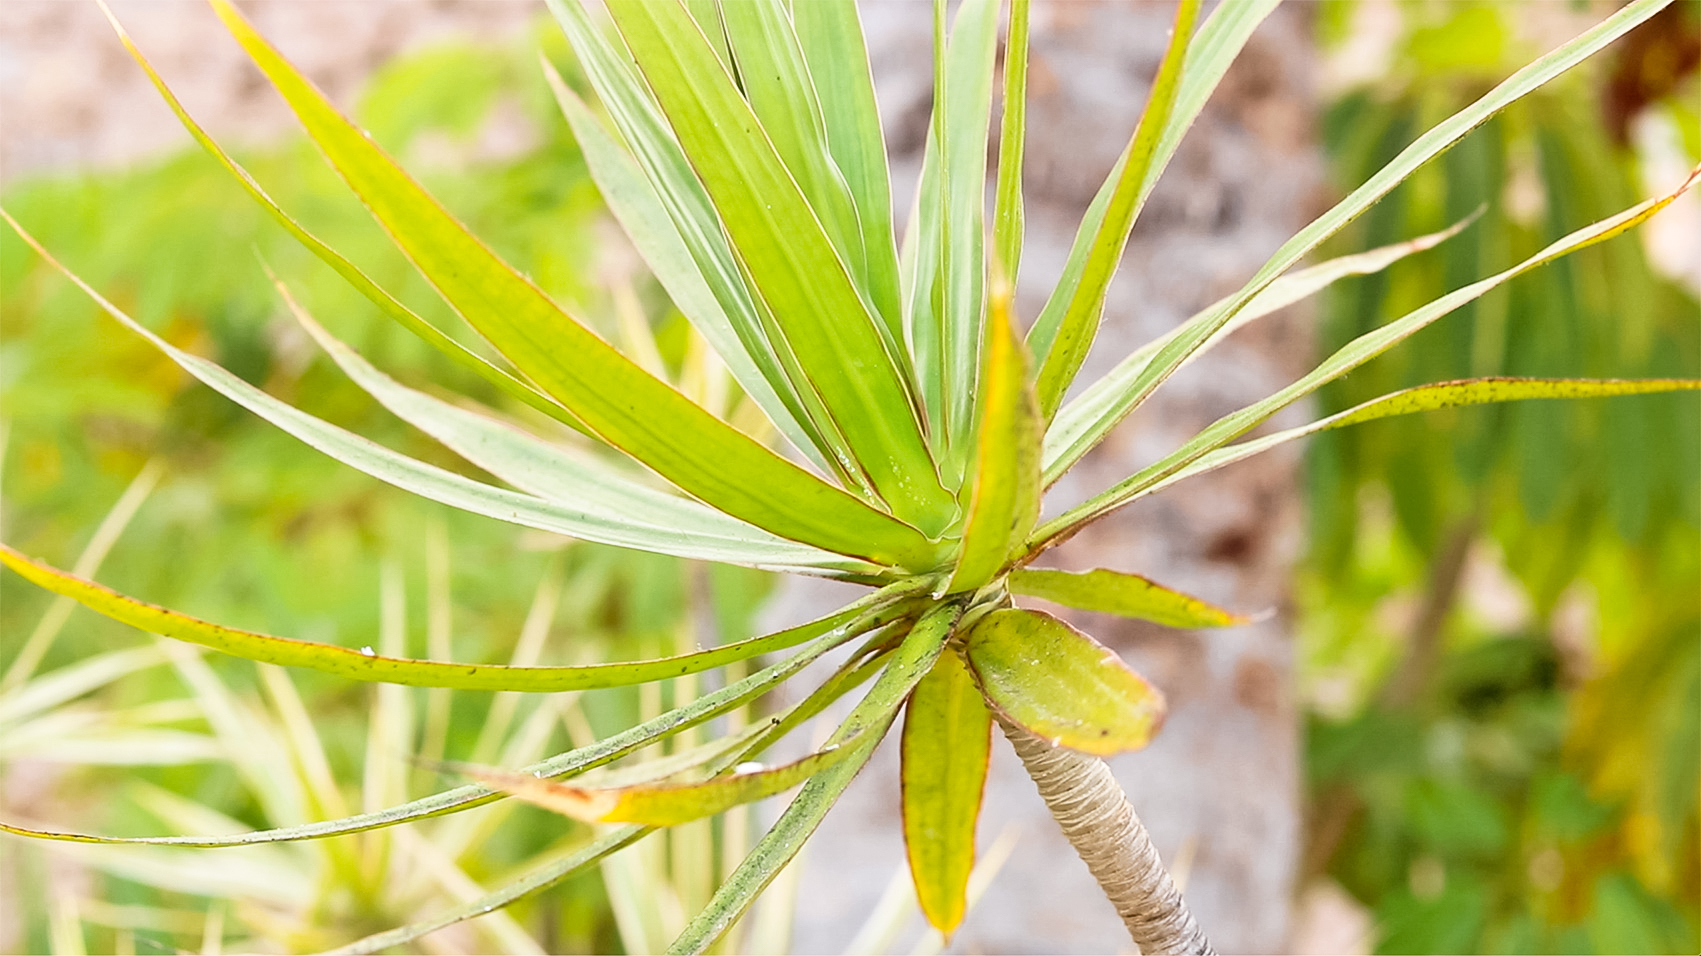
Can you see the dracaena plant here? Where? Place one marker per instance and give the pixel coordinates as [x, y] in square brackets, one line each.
[916, 421]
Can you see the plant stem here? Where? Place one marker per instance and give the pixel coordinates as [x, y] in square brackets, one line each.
[1095, 815]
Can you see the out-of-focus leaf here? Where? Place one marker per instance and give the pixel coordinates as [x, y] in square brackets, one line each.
[622, 403]
[947, 741]
[1128, 595]
[1062, 685]
[540, 879]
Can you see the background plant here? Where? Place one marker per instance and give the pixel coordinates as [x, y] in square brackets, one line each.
[992, 452]
[1510, 816]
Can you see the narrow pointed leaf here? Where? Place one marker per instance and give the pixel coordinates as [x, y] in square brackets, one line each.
[1423, 398]
[1128, 595]
[670, 804]
[1348, 357]
[1062, 685]
[531, 464]
[947, 741]
[780, 90]
[639, 208]
[788, 256]
[914, 658]
[454, 490]
[1064, 335]
[386, 302]
[586, 758]
[1084, 421]
[963, 108]
[540, 879]
[830, 34]
[364, 666]
[1005, 499]
[1007, 214]
[1431, 144]
[1213, 50]
[620, 402]
[654, 149]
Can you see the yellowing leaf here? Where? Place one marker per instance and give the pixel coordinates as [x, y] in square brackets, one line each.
[1062, 685]
[947, 739]
[1005, 497]
[1129, 595]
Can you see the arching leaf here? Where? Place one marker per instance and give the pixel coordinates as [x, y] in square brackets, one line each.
[1128, 595]
[947, 741]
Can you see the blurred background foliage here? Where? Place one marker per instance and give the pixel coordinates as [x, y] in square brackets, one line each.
[1500, 611]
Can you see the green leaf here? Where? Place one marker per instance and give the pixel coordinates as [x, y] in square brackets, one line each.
[1348, 357]
[1007, 218]
[789, 258]
[572, 762]
[387, 303]
[945, 268]
[1423, 398]
[676, 263]
[914, 658]
[451, 489]
[1438, 139]
[1062, 685]
[1216, 46]
[1064, 335]
[947, 741]
[626, 406]
[550, 471]
[1005, 493]
[362, 665]
[830, 33]
[1128, 595]
[780, 90]
[1084, 421]
[540, 879]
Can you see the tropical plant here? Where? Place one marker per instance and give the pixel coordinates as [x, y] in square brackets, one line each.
[739, 147]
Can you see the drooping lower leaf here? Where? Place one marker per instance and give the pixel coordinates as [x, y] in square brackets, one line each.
[947, 741]
[363, 665]
[572, 762]
[913, 659]
[1128, 595]
[1060, 684]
